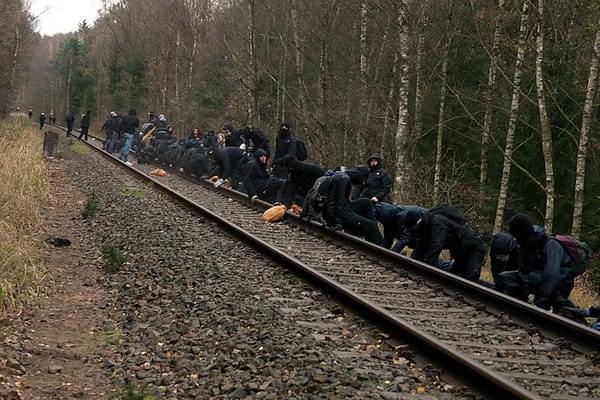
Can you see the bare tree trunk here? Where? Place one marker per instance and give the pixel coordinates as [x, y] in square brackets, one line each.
[254, 116]
[512, 122]
[546, 134]
[299, 62]
[489, 97]
[583, 139]
[360, 140]
[388, 108]
[440, 130]
[419, 85]
[68, 96]
[402, 131]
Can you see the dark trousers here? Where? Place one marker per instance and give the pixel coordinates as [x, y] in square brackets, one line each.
[84, 132]
[359, 220]
[511, 283]
[112, 142]
[69, 129]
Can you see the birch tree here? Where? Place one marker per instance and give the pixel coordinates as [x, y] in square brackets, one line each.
[545, 125]
[512, 121]
[402, 130]
[584, 135]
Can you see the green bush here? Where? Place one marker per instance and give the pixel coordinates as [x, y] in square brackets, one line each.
[113, 258]
[131, 391]
[91, 206]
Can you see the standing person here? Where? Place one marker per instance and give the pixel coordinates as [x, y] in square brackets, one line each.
[85, 124]
[544, 278]
[232, 136]
[377, 185]
[30, 114]
[129, 123]
[285, 143]
[444, 227]
[114, 127]
[69, 119]
[42, 120]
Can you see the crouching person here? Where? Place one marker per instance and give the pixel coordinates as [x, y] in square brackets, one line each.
[257, 181]
[358, 217]
[228, 161]
[444, 228]
[544, 277]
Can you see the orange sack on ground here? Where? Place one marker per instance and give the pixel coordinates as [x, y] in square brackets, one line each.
[273, 214]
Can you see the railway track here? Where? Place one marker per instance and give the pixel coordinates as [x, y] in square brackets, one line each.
[503, 347]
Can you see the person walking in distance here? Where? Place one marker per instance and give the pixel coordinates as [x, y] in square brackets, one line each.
[85, 125]
[42, 120]
[69, 119]
[129, 123]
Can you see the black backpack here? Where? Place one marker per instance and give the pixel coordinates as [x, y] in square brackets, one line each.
[578, 251]
[301, 152]
[449, 212]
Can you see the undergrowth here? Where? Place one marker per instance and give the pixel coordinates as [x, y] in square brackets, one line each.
[132, 391]
[113, 258]
[24, 190]
[91, 206]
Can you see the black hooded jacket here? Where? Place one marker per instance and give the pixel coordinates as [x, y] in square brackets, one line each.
[258, 139]
[227, 162]
[285, 143]
[130, 122]
[256, 174]
[302, 176]
[436, 232]
[337, 200]
[378, 183]
[504, 254]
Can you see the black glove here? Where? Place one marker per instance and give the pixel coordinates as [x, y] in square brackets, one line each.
[574, 312]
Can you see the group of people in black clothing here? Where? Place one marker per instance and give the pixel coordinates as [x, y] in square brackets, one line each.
[527, 263]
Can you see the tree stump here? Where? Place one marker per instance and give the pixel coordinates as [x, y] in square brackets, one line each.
[50, 144]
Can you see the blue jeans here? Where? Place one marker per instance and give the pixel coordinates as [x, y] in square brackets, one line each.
[112, 142]
[127, 146]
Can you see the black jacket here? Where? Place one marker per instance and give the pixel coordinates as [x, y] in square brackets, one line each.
[302, 177]
[285, 143]
[130, 122]
[337, 200]
[378, 183]
[85, 121]
[258, 139]
[256, 175]
[436, 233]
[227, 162]
[504, 254]
[542, 254]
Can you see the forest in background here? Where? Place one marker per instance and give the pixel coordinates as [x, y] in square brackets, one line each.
[488, 105]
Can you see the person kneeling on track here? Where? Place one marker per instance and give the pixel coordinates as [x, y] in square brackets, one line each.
[358, 217]
[228, 162]
[435, 231]
[544, 277]
[392, 219]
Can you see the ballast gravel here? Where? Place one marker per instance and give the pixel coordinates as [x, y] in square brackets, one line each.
[200, 315]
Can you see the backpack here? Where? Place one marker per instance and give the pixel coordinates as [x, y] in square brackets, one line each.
[301, 152]
[449, 212]
[578, 251]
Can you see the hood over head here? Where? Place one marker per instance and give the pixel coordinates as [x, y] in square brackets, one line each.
[521, 227]
[358, 174]
[375, 156]
[503, 244]
[258, 153]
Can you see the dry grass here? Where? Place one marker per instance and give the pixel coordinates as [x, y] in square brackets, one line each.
[23, 191]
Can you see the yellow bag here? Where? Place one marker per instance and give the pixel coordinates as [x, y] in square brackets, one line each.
[158, 172]
[273, 214]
